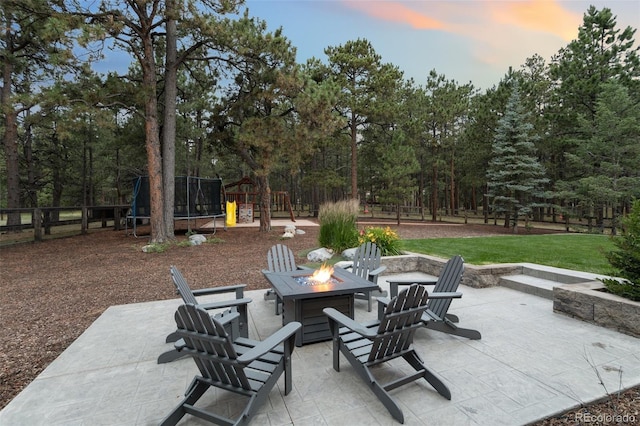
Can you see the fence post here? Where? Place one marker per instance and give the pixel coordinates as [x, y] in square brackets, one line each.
[46, 221]
[37, 224]
[85, 220]
[116, 218]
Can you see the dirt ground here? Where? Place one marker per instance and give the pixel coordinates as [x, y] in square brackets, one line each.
[50, 292]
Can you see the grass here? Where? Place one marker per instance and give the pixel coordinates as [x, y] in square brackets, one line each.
[580, 252]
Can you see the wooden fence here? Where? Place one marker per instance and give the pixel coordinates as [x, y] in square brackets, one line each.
[43, 219]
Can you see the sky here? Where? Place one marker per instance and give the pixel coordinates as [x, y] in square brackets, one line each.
[472, 41]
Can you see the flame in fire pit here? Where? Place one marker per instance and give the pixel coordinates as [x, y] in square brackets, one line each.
[322, 275]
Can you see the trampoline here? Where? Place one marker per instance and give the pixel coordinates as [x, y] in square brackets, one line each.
[195, 198]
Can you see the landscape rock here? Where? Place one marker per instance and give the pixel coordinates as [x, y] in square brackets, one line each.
[320, 255]
[350, 253]
[343, 264]
[197, 239]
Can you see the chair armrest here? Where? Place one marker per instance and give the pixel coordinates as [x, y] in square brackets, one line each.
[270, 342]
[340, 318]
[393, 285]
[238, 288]
[225, 304]
[384, 301]
[409, 282]
[449, 295]
[377, 272]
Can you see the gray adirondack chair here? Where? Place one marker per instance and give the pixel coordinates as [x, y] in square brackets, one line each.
[367, 345]
[246, 367]
[231, 313]
[280, 258]
[366, 264]
[436, 316]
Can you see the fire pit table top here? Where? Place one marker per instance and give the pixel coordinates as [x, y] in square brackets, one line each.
[293, 285]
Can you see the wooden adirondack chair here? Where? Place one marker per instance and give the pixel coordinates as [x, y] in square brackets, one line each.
[436, 316]
[232, 313]
[280, 258]
[366, 264]
[366, 346]
[246, 367]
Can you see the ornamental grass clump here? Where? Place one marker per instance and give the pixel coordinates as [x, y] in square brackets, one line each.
[385, 238]
[626, 259]
[338, 229]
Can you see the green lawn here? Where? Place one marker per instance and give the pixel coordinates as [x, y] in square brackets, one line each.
[580, 252]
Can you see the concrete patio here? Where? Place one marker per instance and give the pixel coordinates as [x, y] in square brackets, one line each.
[530, 364]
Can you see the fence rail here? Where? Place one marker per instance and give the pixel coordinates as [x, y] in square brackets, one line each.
[43, 219]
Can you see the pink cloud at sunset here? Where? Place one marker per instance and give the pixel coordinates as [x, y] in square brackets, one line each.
[539, 15]
[395, 12]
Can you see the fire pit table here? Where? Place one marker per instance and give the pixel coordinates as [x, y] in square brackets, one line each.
[303, 299]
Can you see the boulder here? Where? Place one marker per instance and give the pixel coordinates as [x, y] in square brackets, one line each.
[349, 254]
[287, 235]
[320, 255]
[344, 264]
[197, 239]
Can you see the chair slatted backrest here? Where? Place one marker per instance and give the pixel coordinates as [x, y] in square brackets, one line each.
[280, 258]
[401, 319]
[367, 258]
[211, 347]
[448, 282]
[182, 286]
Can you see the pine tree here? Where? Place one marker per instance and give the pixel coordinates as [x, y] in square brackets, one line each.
[515, 177]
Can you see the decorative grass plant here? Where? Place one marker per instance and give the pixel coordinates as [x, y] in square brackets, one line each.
[338, 225]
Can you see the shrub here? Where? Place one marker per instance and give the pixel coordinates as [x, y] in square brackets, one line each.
[338, 230]
[385, 238]
[626, 259]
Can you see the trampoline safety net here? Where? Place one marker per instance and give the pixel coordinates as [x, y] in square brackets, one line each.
[195, 197]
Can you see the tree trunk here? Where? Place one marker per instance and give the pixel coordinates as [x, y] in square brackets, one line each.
[152, 142]
[169, 125]
[264, 196]
[485, 205]
[434, 193]
[452, 190]
[10, 142]
[32, 194]
[420, 192]
[354, 157]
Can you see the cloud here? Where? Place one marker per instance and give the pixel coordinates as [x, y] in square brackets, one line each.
[396, 12]
[539, 15]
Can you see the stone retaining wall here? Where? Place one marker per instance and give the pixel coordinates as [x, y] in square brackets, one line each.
[582, 300]
[474, 276]
[591, 302]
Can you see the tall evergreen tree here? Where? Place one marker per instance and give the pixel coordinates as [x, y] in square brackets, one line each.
[35, 46]
[272, 112]
[607, 160]
[398, 164]
[601, 52]
[515, 177]
[364, 81]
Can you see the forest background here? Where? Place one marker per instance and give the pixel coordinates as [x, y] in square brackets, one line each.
[210, 92]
